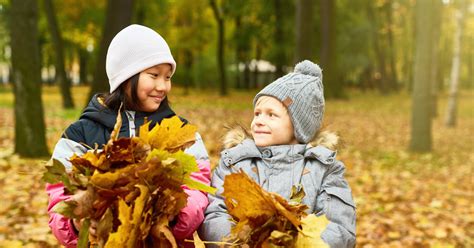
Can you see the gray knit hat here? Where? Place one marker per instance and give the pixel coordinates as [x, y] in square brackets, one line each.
[302, 93]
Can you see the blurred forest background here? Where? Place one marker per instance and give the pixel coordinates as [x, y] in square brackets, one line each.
[398, 79]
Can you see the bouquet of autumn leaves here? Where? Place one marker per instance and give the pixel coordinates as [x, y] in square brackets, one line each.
[131, 187]
[265, 219]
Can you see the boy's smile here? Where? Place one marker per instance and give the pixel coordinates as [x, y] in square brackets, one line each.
[271, 123]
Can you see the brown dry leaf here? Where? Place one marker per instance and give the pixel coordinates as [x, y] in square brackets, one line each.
[118, 123]
[262, 218]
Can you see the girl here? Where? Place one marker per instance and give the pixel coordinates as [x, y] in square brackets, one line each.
[139, 66]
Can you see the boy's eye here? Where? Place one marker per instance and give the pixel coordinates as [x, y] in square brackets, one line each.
[256, 114]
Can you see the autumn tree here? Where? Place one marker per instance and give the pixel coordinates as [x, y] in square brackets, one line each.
[30, 138]
[117, 17]
[304, 29]
[61, 76]
[421, 106]
[279, 37]
[332, 82]
[219, 16]
[455, 68]
[246, 29]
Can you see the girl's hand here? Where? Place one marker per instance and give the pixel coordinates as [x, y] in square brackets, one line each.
[92, 228]
[83, 200]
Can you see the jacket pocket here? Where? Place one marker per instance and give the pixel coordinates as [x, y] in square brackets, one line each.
[343, 194]
[341, 207]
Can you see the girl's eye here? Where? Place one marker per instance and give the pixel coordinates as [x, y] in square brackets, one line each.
[168, 78]
[154, 75]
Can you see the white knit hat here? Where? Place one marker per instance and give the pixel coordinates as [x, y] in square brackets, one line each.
[302, 93]
[134, 49]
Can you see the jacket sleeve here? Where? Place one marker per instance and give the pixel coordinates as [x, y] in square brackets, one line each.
[217, 223]
[335, 201]
[61, 227]
[192, 215]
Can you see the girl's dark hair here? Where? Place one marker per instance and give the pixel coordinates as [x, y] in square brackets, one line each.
[114, 99]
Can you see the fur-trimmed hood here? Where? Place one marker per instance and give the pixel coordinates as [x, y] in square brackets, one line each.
[237, 134]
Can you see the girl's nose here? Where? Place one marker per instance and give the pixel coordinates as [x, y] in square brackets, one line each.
[160, 84]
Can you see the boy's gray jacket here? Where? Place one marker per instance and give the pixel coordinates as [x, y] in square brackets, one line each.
[277, 169]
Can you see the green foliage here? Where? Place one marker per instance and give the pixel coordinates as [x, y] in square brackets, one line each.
[191, 31]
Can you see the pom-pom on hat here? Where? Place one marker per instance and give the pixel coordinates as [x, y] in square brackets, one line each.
[302, 93]
[134, 49]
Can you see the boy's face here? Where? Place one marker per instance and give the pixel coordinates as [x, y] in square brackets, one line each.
[271, 124]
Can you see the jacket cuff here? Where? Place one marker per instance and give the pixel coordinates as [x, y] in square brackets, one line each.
[190, 216]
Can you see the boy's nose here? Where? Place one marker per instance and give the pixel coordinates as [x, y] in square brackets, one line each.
[259, 121]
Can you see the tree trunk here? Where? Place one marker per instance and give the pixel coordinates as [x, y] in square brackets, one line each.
[256, 71]
[241, 54]
[30, 138]
[304, 29]
[61, 77]
[83, 58]
[118, 16]
[436, 80]
[332, 84]
[454, 81]
[421, 110]
[278, 37]
[188, 68]
[381, 76]
[219, 15]
[392, 79]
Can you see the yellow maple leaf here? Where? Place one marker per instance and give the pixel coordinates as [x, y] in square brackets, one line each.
[90, 159]
[130, 219]
[107, 180]
[170, 135]
[245, 199]
[310, 235]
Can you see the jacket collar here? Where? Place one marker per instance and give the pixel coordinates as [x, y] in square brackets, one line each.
[97, 111]
[241, 146]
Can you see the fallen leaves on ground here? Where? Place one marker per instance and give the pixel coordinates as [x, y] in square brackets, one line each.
[403, 199]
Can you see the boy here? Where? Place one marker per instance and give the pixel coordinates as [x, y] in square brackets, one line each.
[287, 116]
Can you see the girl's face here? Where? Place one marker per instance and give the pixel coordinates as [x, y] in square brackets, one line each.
[154, 84]
[271, 123]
